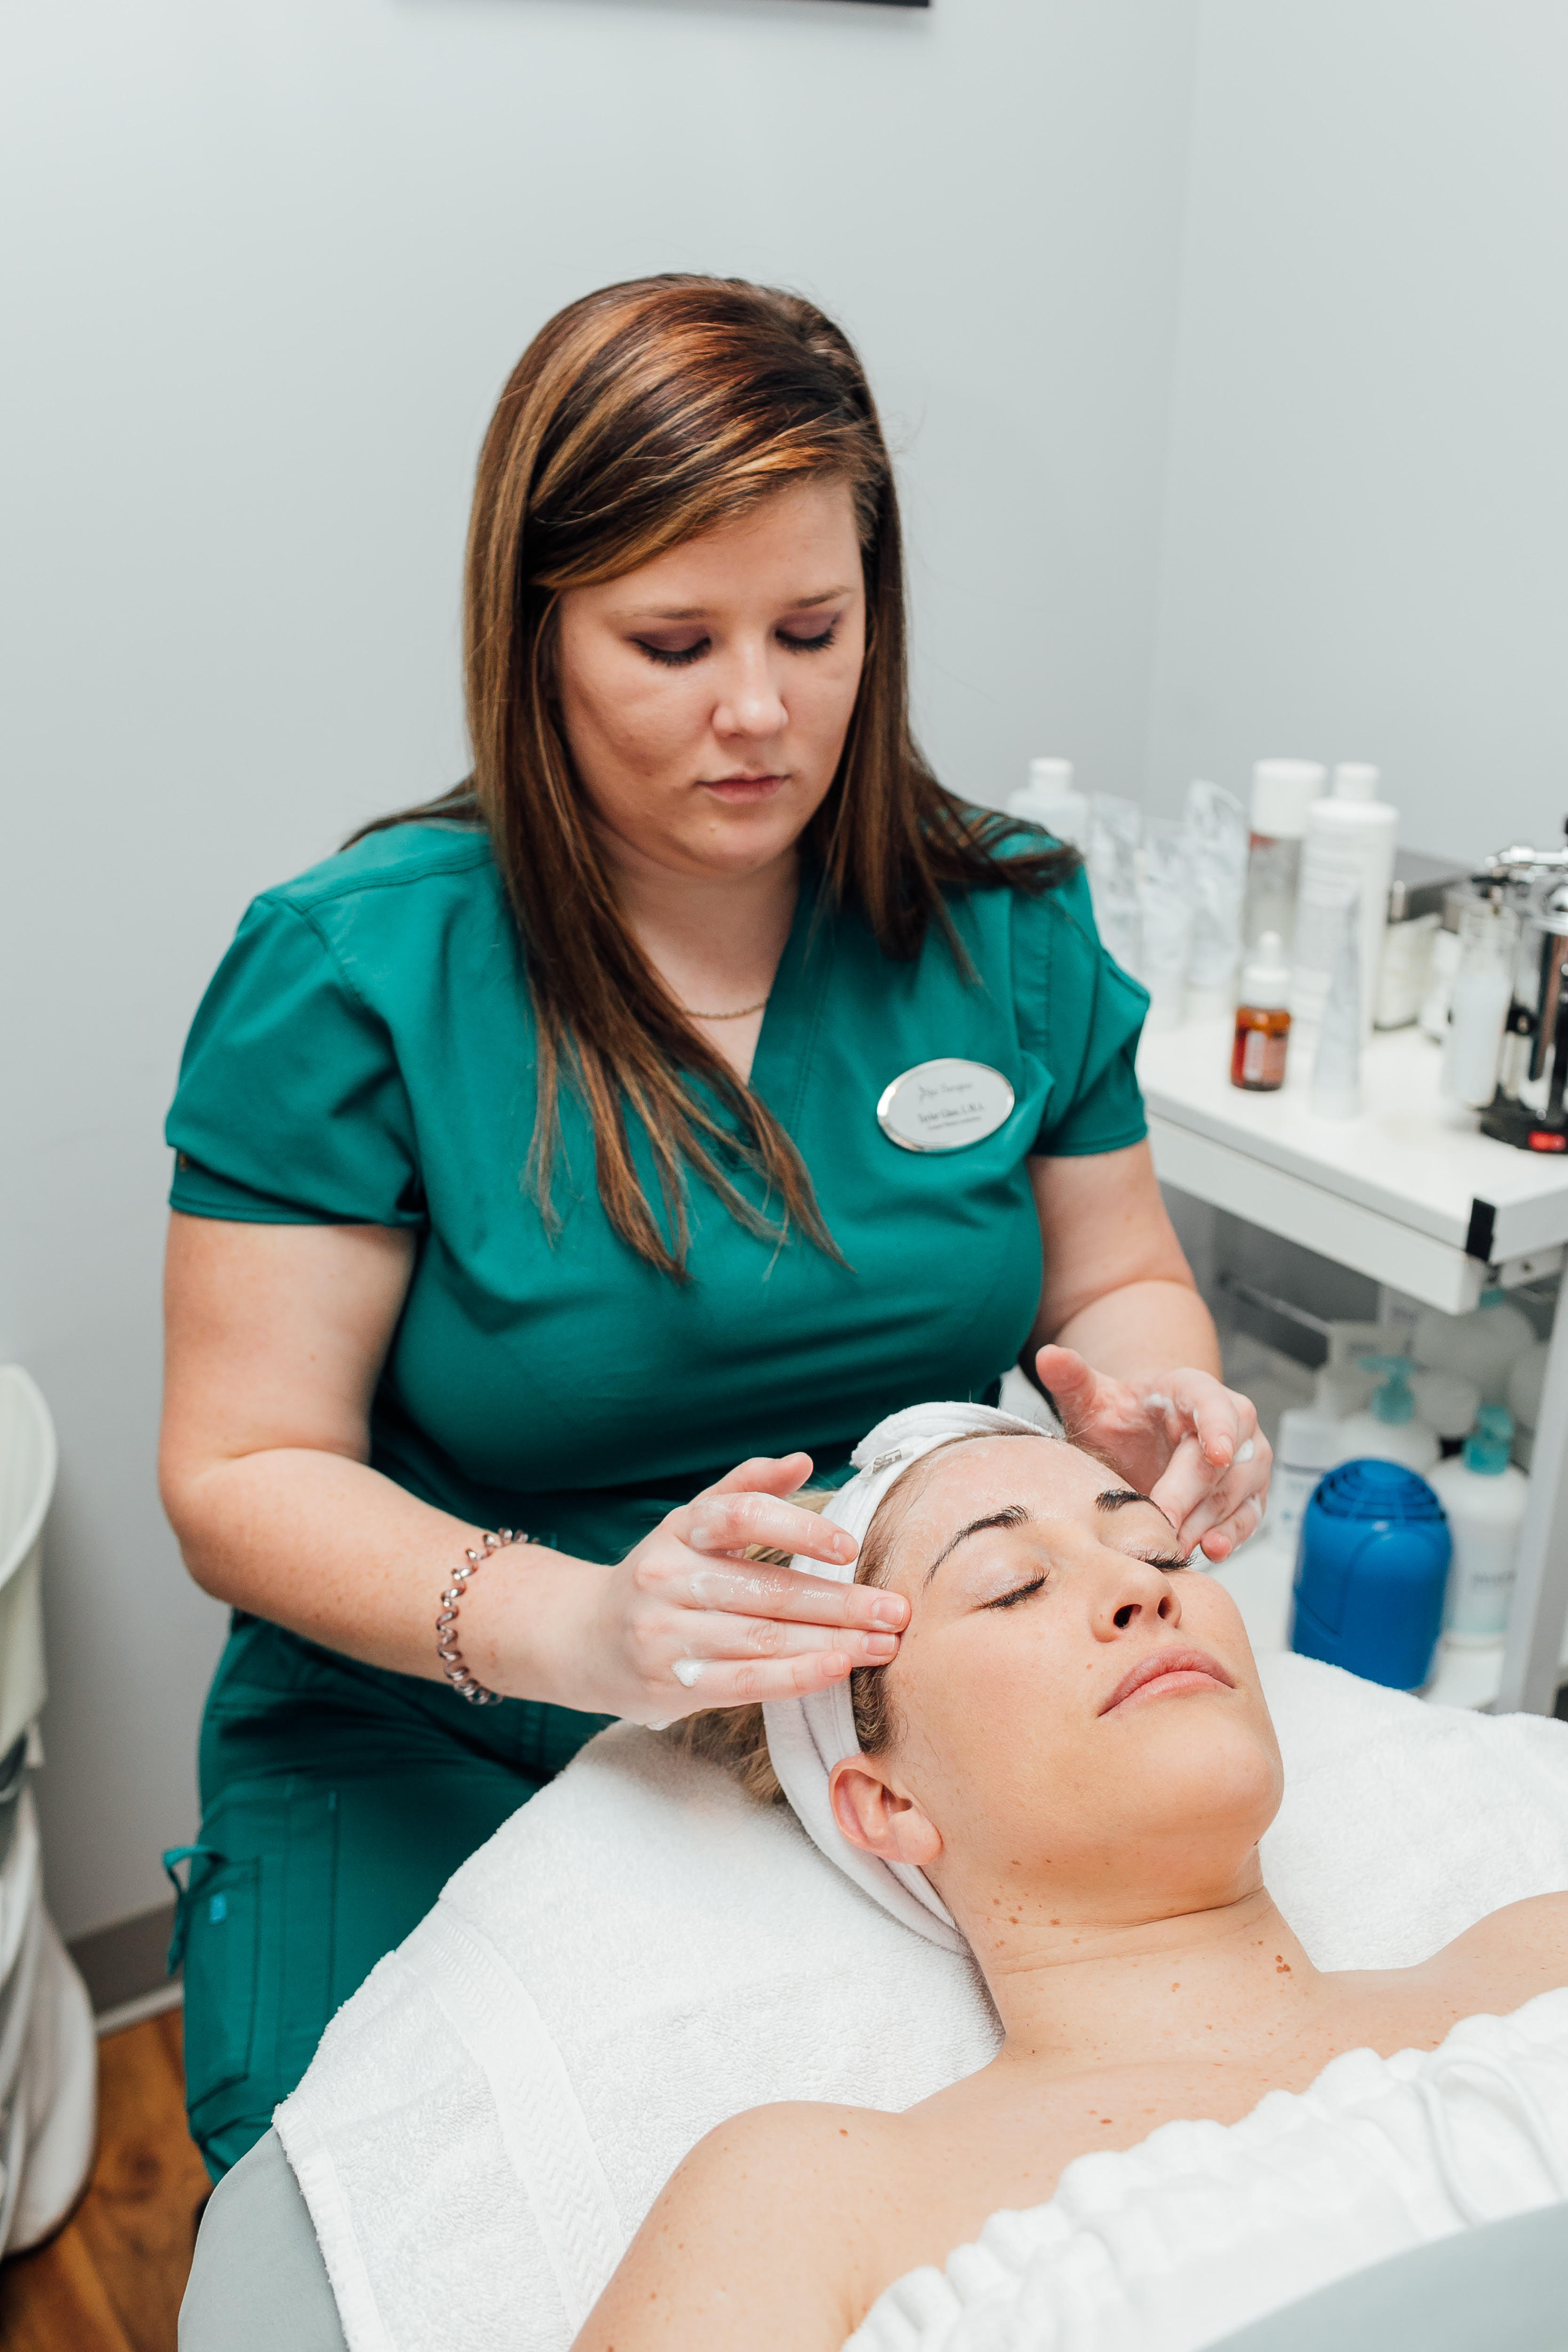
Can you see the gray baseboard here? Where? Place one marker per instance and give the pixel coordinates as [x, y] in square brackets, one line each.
[125, 1962]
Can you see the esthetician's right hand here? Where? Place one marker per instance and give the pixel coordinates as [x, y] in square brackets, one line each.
[688, 1621]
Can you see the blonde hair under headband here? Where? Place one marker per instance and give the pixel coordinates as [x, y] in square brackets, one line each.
[807, 1737]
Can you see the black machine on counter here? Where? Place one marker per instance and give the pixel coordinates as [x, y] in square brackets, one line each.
[1533, 1075]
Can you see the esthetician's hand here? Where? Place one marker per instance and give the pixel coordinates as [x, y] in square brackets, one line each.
[687, 1622]
[1193, 1446]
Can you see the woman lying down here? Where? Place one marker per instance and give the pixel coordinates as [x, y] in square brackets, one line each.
[1072, 1759]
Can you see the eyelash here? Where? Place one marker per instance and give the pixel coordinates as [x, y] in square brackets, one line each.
[1019, 1592]
[1025, 1591]
[684, 658]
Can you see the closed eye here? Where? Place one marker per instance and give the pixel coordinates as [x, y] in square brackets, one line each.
[810, 644]
[673, 657]
[1169, 1562]
[1019, 1592]
[682, 657]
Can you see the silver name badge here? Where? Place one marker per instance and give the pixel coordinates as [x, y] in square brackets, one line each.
[943, 1106]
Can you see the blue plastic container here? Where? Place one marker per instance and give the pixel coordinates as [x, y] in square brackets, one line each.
[1371, 1572]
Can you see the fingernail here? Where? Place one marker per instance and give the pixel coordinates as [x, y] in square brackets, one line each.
[845, 1545]
[889, 1611]
[837, 1665]
[881, 1645]
[700, 1538]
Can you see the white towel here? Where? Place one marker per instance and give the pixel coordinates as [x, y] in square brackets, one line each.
[639, 1953]
[1204, 2228]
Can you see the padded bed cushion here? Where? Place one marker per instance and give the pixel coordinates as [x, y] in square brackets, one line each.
[258, 2283]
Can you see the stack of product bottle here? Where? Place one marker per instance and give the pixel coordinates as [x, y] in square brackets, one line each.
[1285, 907]
[1403, 1500]
[1167, 892]
[1321, 862]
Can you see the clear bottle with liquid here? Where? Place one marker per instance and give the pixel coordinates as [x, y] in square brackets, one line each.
[1283, 793]
[1262, 1019]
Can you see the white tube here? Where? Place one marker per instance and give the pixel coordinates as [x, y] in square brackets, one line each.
[1336, 1067]
[1349, 848]
[1474, 1041]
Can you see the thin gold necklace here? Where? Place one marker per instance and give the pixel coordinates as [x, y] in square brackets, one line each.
[739, 1015]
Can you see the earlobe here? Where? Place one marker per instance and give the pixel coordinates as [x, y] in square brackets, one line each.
[878, 1819]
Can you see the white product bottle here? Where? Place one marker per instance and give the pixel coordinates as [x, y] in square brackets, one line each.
[1481, 1346]
[1526, 1380]
[1348, 1343]
[1484, 1498]
[1283, 793]
[1306, 1445]
[1338, 1037]
[1388, 1430]
[1449, 1403]
[1049, 799]
[1478, 1001]
[1348, 853]
[1434, 1014]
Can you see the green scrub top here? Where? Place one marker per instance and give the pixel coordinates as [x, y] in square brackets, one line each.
[365, 1055]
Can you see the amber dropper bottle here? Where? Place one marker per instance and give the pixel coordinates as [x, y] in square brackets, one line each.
[1262, 1019]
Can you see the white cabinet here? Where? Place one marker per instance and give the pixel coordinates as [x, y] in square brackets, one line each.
[1403, 1195]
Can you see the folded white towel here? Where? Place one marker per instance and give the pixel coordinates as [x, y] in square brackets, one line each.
[640, 1953]
[1202, 2229]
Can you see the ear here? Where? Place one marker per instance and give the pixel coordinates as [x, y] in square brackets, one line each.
[875, 1817]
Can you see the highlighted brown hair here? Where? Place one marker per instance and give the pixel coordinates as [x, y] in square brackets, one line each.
[637, 419]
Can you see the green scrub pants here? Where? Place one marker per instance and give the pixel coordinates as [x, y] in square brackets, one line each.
[337, 1800]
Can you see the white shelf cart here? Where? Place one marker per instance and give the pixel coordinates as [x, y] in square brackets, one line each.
[1404, 1195]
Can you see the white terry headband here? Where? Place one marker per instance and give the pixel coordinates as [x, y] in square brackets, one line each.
[807, 1737]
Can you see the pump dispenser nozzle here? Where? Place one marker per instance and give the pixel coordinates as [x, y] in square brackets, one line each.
[1393, 1400]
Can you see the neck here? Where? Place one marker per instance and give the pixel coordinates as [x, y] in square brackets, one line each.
[713, 939]
[1075, 1989]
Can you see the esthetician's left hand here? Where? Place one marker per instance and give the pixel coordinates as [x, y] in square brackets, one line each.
[1193, 1446]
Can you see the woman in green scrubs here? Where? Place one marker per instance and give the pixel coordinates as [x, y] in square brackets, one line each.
[543, 1166]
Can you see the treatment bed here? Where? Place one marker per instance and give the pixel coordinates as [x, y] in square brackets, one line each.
[640, 1953]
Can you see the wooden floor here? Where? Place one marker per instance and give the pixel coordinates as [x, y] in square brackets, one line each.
[111, 2280]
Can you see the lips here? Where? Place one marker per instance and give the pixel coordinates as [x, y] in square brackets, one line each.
[1180, 1669]
[743, 788]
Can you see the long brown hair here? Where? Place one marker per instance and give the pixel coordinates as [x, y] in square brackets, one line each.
[637, 419]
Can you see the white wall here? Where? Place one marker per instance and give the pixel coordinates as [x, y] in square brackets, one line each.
[1368, 492]
[277, 256]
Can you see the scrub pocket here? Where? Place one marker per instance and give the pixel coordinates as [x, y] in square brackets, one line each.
[219, 1960]
[256, 1928]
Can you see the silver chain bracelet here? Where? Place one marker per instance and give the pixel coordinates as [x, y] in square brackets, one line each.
[462, 1680]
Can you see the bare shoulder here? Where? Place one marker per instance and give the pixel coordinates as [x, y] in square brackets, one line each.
[755, 2238]
[1509, 1957]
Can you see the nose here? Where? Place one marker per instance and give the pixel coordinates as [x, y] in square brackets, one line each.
[1132, 1593]
[750, 706]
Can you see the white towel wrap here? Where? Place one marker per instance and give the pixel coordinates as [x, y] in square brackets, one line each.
[807, 1737]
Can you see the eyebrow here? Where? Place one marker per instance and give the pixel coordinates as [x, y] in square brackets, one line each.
[1015, 1515]
[700, 612]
